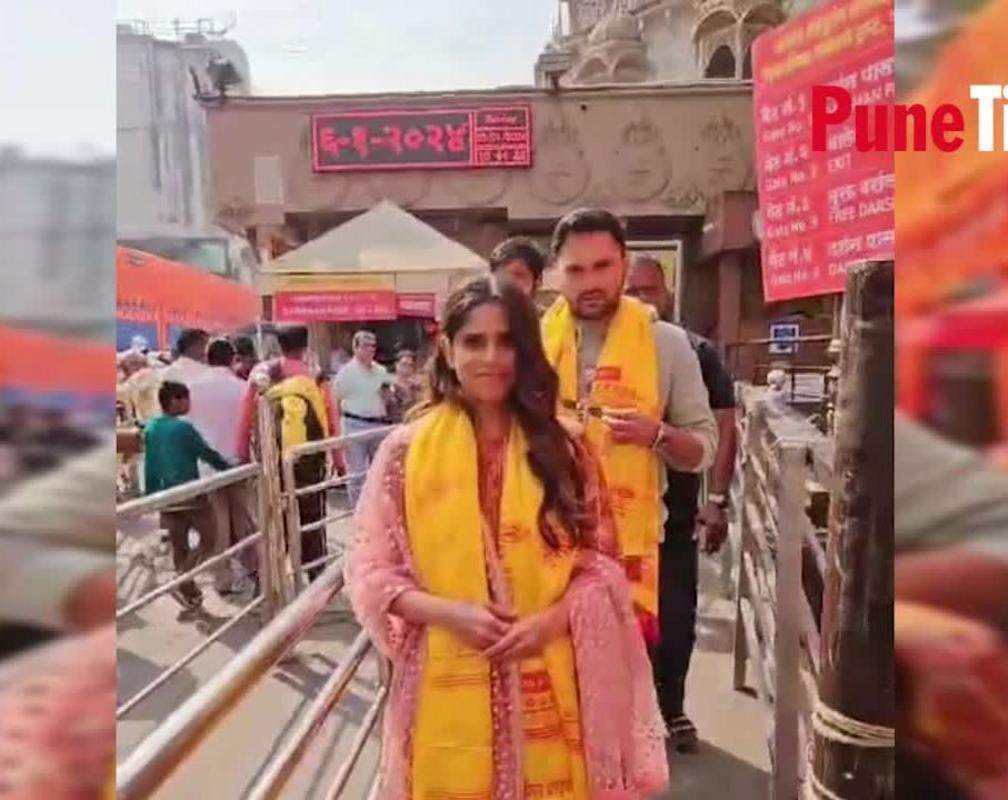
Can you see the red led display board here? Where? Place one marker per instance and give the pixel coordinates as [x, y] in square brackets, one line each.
[422, 139]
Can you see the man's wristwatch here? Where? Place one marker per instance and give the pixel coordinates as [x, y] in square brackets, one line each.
[718, 499]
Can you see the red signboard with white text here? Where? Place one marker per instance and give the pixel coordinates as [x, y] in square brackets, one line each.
[422, 139]
[416, 304]
[822, 211]
[334, 306]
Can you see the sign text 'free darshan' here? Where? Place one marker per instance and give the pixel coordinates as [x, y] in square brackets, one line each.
[352, 306]
[422, 139]
[822, 210]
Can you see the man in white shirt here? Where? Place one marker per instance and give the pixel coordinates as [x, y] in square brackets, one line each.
[360, 388]
[191, 362]
[216, 401]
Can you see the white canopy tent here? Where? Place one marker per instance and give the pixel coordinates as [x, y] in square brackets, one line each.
[386, 240]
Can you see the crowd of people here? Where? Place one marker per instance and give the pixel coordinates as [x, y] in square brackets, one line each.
[526, 537]
[196, 414]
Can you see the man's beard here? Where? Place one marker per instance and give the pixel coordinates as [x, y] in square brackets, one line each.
[604, 311]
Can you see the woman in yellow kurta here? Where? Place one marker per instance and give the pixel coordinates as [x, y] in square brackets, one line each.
[482, 569]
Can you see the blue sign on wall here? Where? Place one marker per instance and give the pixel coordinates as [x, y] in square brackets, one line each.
[126, 329]
[784, 335]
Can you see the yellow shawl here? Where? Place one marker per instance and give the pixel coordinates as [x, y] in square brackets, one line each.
[626, 377]
[453, 736]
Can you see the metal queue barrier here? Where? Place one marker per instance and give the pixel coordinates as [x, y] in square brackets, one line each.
[291, 608]
[162, 501]
[780, 502]
[293, 493]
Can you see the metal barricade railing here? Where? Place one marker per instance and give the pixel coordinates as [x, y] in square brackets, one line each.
[178, 736]
[292, 615]
[157, 756]
[293, 493]
[784, 472]
[165, 500]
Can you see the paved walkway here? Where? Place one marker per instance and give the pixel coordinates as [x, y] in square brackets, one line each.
[732, 763]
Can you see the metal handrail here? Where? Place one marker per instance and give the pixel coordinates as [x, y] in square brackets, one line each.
[164, 588]
[292, 492]
[157, 756]
[375, 787]
[276, 774]
[318, 562]
[775, 622]
[330, 483]
[164, 500]
[314, 526]
[322, 445]
[163, 678]
[367, 725]
[186, 491]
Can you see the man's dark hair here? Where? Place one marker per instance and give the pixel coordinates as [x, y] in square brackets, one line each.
[244, 346]
[220, 353]
[587, 220]
[189, 338]
[293, 339]
[171, 390]
[519, 248]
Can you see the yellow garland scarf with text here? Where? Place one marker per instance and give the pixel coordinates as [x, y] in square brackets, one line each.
[626, 377]
[453, 736]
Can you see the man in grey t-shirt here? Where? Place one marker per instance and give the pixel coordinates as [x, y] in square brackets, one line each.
[589, 251]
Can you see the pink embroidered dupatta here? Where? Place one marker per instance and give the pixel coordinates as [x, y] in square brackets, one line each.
[622, 730]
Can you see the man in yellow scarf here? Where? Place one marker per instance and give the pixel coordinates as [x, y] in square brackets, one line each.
[632, 383]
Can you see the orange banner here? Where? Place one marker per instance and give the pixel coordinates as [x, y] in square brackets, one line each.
[38, 362]
[156, 289]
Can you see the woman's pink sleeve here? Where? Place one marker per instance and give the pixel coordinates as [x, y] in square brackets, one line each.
[378, 566]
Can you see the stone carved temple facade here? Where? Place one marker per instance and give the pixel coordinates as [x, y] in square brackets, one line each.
[635, 41]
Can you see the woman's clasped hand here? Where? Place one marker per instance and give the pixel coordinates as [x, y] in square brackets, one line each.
[497, 632]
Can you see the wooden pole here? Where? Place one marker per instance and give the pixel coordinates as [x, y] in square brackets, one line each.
[786, 647]
[856, 677]
[272, 550]
[293, 515]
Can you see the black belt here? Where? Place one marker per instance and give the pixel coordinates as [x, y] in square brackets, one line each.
[372, 420]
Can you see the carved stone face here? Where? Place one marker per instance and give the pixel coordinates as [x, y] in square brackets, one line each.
[722, 152]
[640, 170]
[560, 173]
[480, 187]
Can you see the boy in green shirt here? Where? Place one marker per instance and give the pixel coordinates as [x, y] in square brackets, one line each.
[173, 449]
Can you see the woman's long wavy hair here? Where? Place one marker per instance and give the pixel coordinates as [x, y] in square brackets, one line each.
[533, 400]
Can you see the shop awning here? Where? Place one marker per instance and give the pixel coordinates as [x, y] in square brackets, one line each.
[384, 240]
